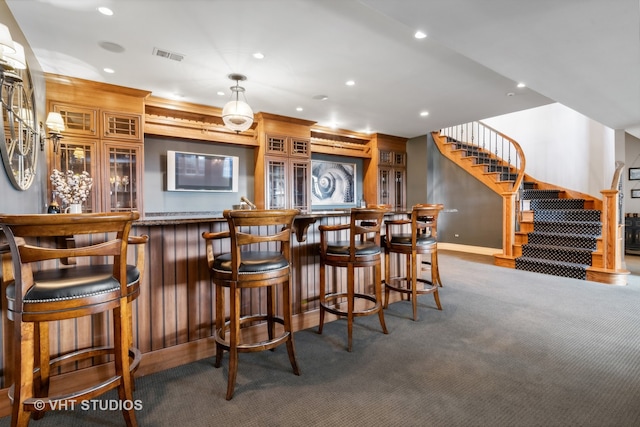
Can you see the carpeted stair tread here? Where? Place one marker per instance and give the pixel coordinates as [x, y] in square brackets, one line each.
[556, 204]
[564, 215]
[556, 268]
[578, 241]
[587, 228]
[557, 253]
[539, 194]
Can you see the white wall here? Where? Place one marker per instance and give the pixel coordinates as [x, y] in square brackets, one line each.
[562, 147]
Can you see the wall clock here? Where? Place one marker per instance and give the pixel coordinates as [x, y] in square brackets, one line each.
[19, 134]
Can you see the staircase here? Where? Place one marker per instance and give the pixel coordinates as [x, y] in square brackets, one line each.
[556, 231]
[562, 237]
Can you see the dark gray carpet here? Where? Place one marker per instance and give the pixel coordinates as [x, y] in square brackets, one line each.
[510, 348]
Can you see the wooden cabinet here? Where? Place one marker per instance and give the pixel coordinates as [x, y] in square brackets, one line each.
[287, 173]
[392, 178]
[109, 146]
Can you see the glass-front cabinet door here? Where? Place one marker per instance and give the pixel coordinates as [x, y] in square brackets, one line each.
[300, 184]
[123, 177]
[287, 183]
[79, 155]
[276, 183]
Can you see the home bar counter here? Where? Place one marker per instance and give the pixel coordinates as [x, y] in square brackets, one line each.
[173, 318]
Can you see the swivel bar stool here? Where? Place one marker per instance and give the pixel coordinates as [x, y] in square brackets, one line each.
[41, 289]
[259, 258]
[360, 249]
[421, 240]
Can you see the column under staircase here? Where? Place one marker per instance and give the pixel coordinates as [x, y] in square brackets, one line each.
[546, 229]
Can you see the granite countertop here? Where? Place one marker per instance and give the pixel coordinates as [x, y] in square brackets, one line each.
[169, 218]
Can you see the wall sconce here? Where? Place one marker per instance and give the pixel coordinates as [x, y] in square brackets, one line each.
[55, 123]
[236, 114]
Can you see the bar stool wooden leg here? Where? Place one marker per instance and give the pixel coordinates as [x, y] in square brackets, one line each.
[378, 292]
[387, 279]
[322, 296]
[350, 304]
[23, 372]
[219, 324]
[234, 338]
[121, 349]
[288, 324]
[413, 280]
[41, 348]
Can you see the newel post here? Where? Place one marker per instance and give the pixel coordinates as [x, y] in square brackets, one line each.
[611, 234]
[508, 223]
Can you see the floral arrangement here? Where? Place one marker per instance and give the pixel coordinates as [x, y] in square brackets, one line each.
[72, 187]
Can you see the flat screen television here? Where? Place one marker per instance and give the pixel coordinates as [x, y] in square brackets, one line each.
[201, 172]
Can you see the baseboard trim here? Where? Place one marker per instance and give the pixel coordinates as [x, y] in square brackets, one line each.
[469, 249]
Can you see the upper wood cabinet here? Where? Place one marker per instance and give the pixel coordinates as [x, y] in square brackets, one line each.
[79, 121]
[103, 135]
[121, 126]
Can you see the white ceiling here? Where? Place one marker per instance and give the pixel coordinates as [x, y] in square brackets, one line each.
[584, 54]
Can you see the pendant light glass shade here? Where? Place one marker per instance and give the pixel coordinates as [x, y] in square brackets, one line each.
[237, 115]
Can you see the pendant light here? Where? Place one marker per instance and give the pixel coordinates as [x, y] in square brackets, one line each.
[237, 115]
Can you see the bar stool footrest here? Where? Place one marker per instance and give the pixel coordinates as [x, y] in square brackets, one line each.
[363, 312]
[394, 285]
[252, 346]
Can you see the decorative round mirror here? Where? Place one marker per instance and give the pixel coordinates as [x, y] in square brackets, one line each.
[19, 132]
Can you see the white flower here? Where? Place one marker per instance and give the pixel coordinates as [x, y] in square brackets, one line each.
[72, 187]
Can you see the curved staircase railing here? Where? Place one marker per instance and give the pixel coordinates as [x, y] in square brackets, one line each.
[508, 157]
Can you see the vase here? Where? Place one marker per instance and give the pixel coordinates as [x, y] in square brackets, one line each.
[74, 208]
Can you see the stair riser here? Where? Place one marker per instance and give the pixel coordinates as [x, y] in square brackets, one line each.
[566, 228]
[566, 215]
[563, 241]
[557, 254]
[549, 268]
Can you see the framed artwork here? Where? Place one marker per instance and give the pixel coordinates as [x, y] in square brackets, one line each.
[333, 183]
[634, 174]
[635, 194]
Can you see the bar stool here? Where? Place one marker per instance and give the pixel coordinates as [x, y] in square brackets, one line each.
[100, 282]
[360, 249]
[422, 240]
[259, 258]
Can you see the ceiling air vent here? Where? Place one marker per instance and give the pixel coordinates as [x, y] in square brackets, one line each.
[166, 54]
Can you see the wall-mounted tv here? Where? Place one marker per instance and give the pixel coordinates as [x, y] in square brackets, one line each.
[201, 172]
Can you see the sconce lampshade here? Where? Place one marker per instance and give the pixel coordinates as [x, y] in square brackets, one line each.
[6, 42]
[55, 122]
[16, 59]
[237, 115]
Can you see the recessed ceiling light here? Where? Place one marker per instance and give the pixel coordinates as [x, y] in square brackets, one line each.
[424, 113]
[321, 97]
[510, 94]
[419, 35]
[220, 93]
[350, 83]
[521, 85]
[105, 11]
[299, 109]
[108, 70]
[258, 55]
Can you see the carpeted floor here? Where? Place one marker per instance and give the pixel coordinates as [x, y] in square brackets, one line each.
[510, 348]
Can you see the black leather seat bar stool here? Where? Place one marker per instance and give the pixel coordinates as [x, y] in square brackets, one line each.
[245, 268]
[422, 239]
[361, 249]
[50, 292]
